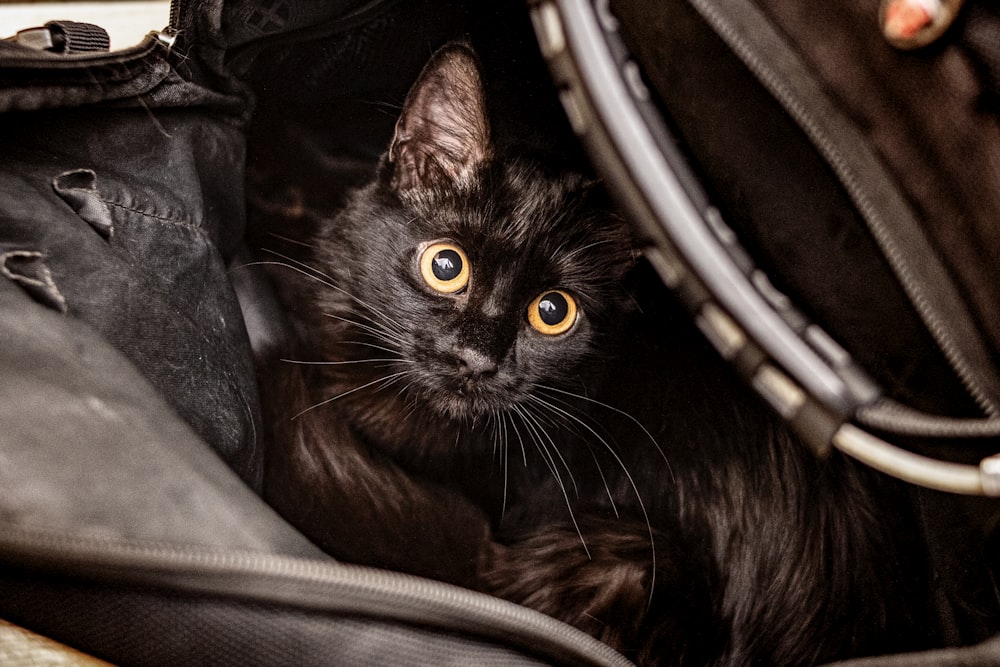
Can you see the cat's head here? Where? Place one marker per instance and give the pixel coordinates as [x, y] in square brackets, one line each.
[486, 275]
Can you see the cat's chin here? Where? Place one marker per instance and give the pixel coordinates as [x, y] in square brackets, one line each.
[464, 406]
[456, 407]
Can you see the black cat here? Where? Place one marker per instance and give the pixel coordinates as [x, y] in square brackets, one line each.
[488, 391]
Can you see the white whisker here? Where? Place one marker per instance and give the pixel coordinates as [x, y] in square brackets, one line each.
[569, 425]
[288, 239]
[615, 410]
[377, 332]
[624, 468]
[374, 326]
[520, 441]
[582, 249]
[552, 445]
[327, 280]
[550, 463]
[504, 459]
[350, 361]
[392, 377]
[371, 345]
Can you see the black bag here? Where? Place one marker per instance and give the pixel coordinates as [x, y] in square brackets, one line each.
[125, 182]
[825, 204]
[126, 361]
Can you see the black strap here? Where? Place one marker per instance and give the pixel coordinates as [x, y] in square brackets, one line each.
[76, 37]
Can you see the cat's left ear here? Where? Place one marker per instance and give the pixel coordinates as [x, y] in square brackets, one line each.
[443, 133]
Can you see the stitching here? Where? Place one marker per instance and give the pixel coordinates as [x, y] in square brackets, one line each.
[173, 222]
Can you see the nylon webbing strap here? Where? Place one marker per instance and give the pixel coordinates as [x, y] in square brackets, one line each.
[76, 37]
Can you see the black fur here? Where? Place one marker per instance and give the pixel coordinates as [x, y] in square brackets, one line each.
[614, 476]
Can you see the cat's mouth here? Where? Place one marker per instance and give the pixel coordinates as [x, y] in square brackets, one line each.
[463, 398]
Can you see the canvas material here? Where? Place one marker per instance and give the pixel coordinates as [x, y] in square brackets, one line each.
[789, 209]
[800, 225]
[932, 116]
[110, 185]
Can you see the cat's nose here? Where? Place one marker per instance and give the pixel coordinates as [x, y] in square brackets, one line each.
[474, 364]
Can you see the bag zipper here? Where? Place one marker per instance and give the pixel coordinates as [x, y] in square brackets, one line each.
[169, 34]
[315, 584]
[743, 28]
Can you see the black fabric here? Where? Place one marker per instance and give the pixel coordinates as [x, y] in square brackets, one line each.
[252, 24]
[89, 447]
[787, 205]
[141, 626]
[131, 210]
[927, 114]
[986, 654]
[980, 28]
[789, 209]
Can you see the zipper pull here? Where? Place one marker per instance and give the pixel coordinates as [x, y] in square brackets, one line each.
[167, 36]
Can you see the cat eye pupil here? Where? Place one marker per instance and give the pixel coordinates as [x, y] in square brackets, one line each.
[446, 265]
[553, 308]
[552, 313]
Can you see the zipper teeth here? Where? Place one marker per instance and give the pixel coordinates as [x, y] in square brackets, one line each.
[173, 22]
[401, 590]
[849, 180]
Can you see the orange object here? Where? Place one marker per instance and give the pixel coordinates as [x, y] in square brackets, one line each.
[904, 19]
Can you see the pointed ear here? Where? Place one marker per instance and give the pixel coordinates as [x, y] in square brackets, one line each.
[443, 133]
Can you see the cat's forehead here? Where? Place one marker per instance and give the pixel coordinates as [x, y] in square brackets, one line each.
[518, 204]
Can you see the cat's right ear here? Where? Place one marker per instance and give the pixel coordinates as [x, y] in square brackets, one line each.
[443, 133]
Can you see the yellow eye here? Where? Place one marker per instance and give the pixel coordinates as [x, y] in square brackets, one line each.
[444, 267]
[553, 312]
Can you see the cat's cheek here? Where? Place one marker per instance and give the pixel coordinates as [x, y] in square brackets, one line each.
[551, 357]
[572, 338]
